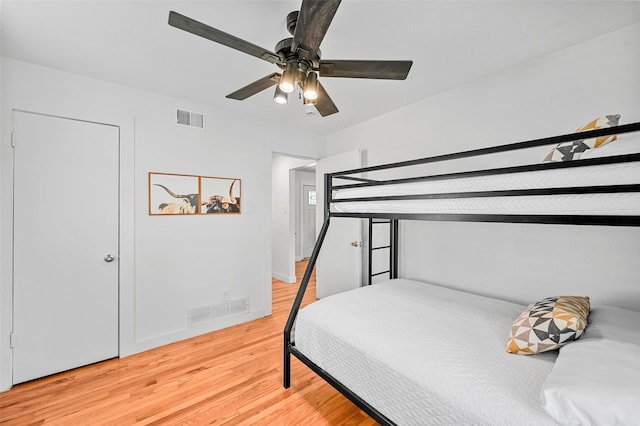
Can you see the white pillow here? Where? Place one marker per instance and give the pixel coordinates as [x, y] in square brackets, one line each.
[609, 322]
[596, 380]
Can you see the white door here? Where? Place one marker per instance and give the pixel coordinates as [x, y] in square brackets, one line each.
[339, 266]
[309, 203]
[65, 250]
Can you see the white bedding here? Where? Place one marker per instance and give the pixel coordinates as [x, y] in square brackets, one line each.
[426, 355]
[595, 380]
[585, 204]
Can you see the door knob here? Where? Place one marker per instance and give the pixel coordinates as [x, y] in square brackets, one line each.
[355, 243]
[109, 258]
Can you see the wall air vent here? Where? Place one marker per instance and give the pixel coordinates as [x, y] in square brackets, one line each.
[199, 315]
[191, 119]
[239, 306]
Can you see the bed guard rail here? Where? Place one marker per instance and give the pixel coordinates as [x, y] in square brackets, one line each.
[575, 219]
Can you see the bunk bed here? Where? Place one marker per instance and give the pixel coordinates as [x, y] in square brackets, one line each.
[409, 365]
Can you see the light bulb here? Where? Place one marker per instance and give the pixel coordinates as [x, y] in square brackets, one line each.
[288, 80]
[311, 86]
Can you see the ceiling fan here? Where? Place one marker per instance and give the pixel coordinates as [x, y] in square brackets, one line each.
[298, 57]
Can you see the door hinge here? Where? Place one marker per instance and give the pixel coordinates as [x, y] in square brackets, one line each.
[12, 340]
[13, 139]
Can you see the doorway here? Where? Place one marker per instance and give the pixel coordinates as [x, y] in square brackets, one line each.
[288, 175]
[66, 244]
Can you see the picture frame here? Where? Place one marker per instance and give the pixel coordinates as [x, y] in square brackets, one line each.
[182, 194]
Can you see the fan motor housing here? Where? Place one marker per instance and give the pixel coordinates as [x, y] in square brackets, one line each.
[283, 49]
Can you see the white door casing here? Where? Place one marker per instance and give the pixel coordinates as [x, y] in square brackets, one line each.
[308, 219]
[339, 266]
[65, 228]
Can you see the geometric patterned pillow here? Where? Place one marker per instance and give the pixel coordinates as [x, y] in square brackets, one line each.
[548, 324]
[567, 151]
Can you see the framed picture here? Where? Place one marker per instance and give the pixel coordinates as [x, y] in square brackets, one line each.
[176, 194]
[220, 195]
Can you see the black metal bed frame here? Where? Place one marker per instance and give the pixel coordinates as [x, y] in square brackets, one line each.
[393, 218]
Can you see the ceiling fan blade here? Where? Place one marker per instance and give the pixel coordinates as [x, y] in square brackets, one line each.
[324, 104]
[313, 22]
[255, 87]
[385, 70]
[198, 28]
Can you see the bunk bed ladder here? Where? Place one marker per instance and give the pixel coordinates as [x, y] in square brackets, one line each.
[392, 246]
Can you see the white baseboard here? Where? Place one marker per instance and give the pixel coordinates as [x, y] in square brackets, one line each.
[286, 279]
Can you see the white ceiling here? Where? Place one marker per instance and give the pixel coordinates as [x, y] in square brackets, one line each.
[450, 42]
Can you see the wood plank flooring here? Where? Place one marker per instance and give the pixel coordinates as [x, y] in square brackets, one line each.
[228, 377]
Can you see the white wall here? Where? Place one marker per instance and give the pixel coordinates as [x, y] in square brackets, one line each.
[283, 216]
[173, 263]
[553, 95]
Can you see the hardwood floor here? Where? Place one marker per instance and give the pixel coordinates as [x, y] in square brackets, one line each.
[228, 377]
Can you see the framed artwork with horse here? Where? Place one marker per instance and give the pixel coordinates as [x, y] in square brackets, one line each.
[179, 194]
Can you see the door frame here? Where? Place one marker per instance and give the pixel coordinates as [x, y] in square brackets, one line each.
[126, 221]
[302, 222]
[286, 188]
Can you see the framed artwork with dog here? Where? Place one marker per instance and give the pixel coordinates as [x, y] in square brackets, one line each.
[178, 194]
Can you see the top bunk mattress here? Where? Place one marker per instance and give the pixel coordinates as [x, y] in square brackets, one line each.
[620, 203]
[423, 354]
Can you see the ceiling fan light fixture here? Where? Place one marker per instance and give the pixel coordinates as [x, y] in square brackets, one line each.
[280, 96]
[311, 86]
[299, 57]
[288, 80]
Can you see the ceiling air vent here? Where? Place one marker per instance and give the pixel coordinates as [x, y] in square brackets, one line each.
[191, 119]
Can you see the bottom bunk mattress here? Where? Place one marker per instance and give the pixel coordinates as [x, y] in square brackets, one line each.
[424, 354]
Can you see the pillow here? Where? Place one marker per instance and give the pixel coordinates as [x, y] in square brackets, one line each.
[595, 381]
[567, 151]
[548, 324]
[609, 322]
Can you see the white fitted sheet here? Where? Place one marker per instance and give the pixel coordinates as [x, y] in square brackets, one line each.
[582, 204]
[426, 355]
